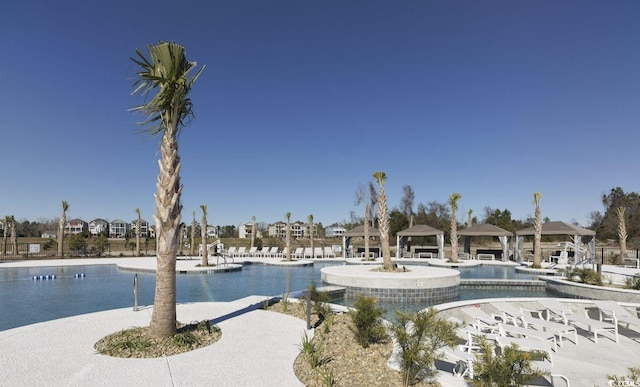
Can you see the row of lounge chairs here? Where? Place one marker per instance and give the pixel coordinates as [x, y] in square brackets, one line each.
[273, 252]
[544, 329]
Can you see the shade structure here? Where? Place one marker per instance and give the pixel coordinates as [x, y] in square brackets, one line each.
[488, 230]
[563, 228]
[420, 230]
[356, 232]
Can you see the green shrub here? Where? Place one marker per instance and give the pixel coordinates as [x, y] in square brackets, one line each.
[419, 338]
[632, 379]
[633, 282]
[367, 321]
[312, 351]
[512, 367]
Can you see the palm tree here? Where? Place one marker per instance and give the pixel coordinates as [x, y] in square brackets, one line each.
[310, 219]
[167, 71]
[453, 203]
[469, 218]
[5, 234]
[192, 248]
[138, 230]
[203, 237]
[383, 221]
[287, 235]
[361, 197]
[61, 225]
[537, 230]
[253, 231]
[14, 235]
[622, 231]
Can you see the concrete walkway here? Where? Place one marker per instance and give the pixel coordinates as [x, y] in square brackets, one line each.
[257, 348]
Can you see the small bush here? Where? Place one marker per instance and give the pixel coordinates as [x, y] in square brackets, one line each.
[513, 367]
[632, 379]
[633, 282]
[367, 321]
[312, 351]
[419, 338]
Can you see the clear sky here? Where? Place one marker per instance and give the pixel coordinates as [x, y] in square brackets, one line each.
[302, 101]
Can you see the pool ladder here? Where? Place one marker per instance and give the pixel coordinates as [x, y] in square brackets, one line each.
[135, 292]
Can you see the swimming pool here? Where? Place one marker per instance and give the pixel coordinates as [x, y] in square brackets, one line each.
[24, 300]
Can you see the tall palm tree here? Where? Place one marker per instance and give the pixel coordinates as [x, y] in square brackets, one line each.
[365, 227]
[253, 231]
[14, 235]
[61, 225]
[537, 231]
[167, 72]
[453, 203]
[383, 220]
[192, 247]
[5, 234]
[138, 230]
[287, 235]
[310, 219]
[203, 237]
[622, 231]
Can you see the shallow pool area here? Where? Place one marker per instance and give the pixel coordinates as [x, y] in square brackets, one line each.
[92, 288]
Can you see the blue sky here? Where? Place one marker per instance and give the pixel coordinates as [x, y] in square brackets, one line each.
[302, 101]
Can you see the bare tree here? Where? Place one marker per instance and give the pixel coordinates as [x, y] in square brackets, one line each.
[406, 203]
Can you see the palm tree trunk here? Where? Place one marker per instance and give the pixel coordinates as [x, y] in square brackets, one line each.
[384, 229]
[366, 232]
[537, 231]
[167, 218]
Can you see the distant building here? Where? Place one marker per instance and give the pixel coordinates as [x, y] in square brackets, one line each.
[144, 227]
[99, 227]
[279, 230]
[245, 229]
[76, 226]
[334, 231]
[118, 228]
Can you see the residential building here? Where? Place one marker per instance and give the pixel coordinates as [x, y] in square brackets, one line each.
[76, 226]
[213, 231]
[279, 230]
[245, 229]
[144, 227]
[118, 228]
[98, 227]
[334, 231]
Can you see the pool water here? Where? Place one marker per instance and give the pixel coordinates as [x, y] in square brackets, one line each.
[26, 301]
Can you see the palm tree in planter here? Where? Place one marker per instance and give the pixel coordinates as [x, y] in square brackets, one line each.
[287, 235]
[167, 71]
[383, 221]
[453, 203]
[61, 225]
[192, 247]
[203, 237]
[253, 231]
[138, 230]
[14, 235]
[622, 231]
[537, 231]
[5, 234]
[310, 219]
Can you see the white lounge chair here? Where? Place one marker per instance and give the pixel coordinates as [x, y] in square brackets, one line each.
[252, 252]
[273, 253]
[307, 253]
[264, 252]
[317, 252]
[241, 252]
[328, 252]
[616, 313]
[534, 319]
[231, 252]
[299, 253]
[562, 312]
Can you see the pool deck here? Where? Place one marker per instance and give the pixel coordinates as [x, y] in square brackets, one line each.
[257, 347]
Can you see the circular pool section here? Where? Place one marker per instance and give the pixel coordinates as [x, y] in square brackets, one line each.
[417, 284]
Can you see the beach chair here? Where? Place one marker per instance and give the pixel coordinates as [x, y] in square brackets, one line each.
[307, 252]
[328, 252]
[241, 252]
[299, 253]
[273, 252]
[534, 319]
[264, 252]
[252, 252]
[630, 260]
[616, 313]
[556, 310]
[231, 252]
[317, 252]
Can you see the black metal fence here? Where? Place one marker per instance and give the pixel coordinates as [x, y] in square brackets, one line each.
[45, 250]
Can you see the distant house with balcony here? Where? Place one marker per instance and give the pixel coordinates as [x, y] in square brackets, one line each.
[98, 227]
[279, 230]
[118, 228]
[245, 229]
[334, 231]
[76, 226]
[144, 228]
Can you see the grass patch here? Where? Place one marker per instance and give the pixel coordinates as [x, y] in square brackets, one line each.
[138, 342]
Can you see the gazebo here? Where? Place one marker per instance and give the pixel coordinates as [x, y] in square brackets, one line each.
[356, 232]
[420, 230]
[489, 230]
[562, 228]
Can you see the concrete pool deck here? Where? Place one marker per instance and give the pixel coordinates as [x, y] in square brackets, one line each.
[257, 348]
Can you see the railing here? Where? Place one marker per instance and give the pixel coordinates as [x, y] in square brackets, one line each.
[23, 251]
